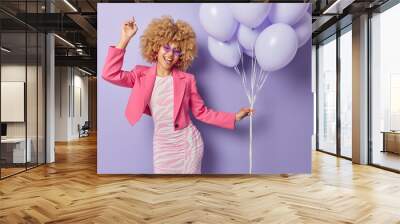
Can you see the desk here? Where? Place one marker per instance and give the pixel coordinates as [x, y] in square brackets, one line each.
[391, 141]
[15, 148]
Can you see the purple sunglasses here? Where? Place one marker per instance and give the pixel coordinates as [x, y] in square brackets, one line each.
[176, 52]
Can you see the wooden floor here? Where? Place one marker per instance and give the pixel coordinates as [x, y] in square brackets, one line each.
[5, 172]
[70, 191]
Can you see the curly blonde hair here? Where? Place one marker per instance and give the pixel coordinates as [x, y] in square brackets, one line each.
[163, 31]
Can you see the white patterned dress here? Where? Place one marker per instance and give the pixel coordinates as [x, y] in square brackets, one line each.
[174, 151]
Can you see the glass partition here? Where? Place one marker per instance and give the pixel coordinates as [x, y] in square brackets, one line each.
[385, 89]
[22, 67]
[346, 93]
[327, 96]
[13, 103]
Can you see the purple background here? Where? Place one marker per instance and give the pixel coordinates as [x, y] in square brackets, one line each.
[284, 108]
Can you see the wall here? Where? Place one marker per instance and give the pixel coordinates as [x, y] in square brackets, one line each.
[71, 93]
[80, 109]
[61, 103]
[284, 108]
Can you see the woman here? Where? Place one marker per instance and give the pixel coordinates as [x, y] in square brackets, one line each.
[166, 92]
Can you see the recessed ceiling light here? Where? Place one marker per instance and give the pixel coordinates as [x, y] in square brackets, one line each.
[5, 49]
[70, 5]
[64, 40]
[84, 71]
[338, 6]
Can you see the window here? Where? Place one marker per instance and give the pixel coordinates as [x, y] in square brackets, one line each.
[385, 89]
[327, 96]
[346, 92]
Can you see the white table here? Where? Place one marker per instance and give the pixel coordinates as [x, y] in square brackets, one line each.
[19, 155]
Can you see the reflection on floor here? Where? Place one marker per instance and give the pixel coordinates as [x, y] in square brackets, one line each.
[10, 169]
[386, 159]
[346, 152]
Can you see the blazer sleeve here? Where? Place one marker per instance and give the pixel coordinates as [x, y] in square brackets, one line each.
[112, 70]
[203, 113]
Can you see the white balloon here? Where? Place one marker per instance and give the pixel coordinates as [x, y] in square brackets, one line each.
[218, 21]
[226, 53]
[289, 13]
[303, 29]
[250, 14]
[247, 37]
[276, 47]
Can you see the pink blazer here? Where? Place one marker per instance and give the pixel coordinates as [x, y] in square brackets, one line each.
[141, 80]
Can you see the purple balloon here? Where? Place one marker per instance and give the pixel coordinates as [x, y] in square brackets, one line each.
[289, 13]
[225, 53]
[247, 37]
[217, 19]
[276, 47]
[250, 14]
[303, 29]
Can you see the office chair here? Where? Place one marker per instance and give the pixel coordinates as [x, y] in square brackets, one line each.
[84, 130]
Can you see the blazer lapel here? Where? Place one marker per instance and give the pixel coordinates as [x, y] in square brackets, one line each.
[148, 84]
[179, 90]
[179, 86]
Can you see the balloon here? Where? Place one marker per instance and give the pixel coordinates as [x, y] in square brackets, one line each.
[289, 13]
[226, 53]
[250, 14]
[217, 20]
[276, 47]
[247, 37]
[303, 29]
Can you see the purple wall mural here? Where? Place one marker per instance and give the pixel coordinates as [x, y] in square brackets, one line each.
[283, 122]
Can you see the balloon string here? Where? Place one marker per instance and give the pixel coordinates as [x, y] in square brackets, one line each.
[264, 76]
[244, 74]
[251, 88]
[254, 72]
[251, 144]
[264, 79]
[243, 82]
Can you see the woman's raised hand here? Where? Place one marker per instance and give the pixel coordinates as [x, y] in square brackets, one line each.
[129, 29]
